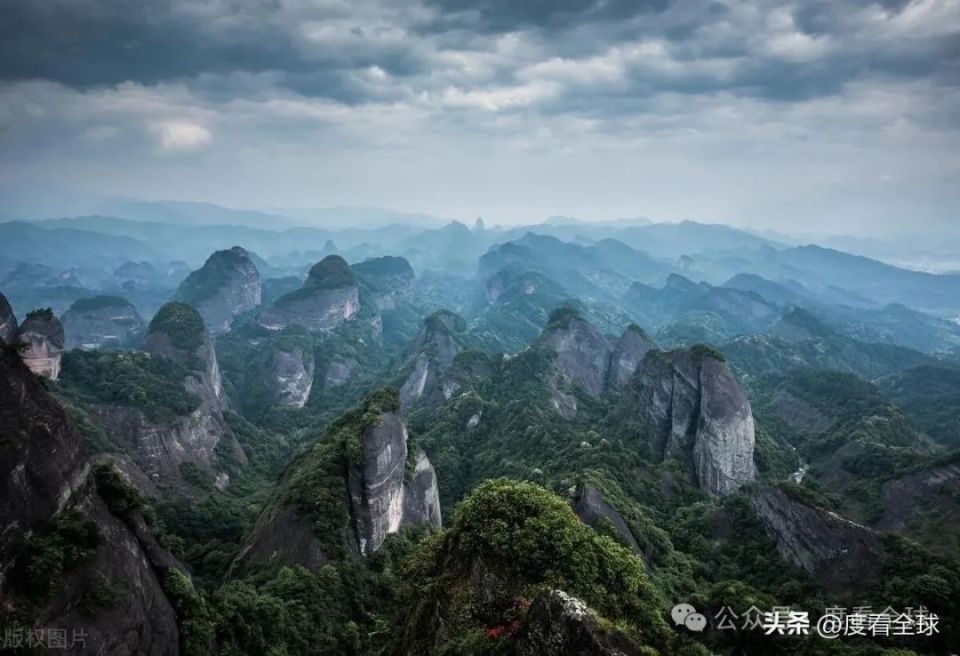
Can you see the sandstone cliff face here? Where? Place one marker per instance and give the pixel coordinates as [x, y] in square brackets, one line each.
[693, 409]
[226, 285]
[389, 280]
[293, 372]
[42, 337]
[160, 450]
[627, 355]
[583, 353]
[839, 554]
[430, 357]
[329, 297]
[45, 475]
[8, 322]
[103, 322]
[592, 508]
[381, 498]
[560, 625]
[931, 492]
[383, 492]
[586, 358]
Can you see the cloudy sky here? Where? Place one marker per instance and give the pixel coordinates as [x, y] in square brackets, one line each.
[839, 115]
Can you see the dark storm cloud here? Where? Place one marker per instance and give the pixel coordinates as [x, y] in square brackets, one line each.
[510, 106]
[110, 41]
[104, 42]
[320, 49]
[507, 15]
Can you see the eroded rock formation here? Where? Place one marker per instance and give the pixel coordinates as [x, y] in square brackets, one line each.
[42, 337]
[329, 297]
[381, 498]
[8, 322]
[839, 554]
[163, 449]
[46, 481]
[226, 285]
[693, 409]
[102, 322]
[430, 357]
[389, 280]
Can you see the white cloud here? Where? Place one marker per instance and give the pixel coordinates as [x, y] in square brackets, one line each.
[179, 136]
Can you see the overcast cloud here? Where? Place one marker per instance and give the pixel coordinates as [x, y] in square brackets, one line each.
[836, 114]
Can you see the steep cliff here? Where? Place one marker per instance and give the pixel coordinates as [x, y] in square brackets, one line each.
[389, 280]
[8, 322]
[103, 322]
[429, 358]
[293, 373]
[593, 510]
[839, 554]
[692, 408]
[518, 566]
[66, 561]
[356, 486]
[381, 498]
[583, 353]
[41, 335]
[162, 446]
[628, 353]
[329, 297]
[226, 285]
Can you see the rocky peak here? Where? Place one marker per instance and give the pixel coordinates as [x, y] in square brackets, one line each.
[42, 337]
[627, 354]
[389, 280]
[381, 498]
[293, 366]
[839, 554]
[430, 357]
[45, 484]
[694, 409]
[177, 332]
[8, 322]
[102, 322]
[365, 455]
[329, 297]
[226, 285]
[161, 448]
[583, 353]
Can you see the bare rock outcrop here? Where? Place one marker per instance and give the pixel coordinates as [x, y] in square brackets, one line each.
[162, 449]
[293, 372]
[367, 465]
[45, 484]
[42, 337]
[593, 509]
[692, 408]
[628, 353]
[389, 280]
[381, 498]
[103, 322]
[226, 285]
[329, 297]
[429, 359]
[558, 624]
[8, 322]
[582, 351]
[839, 554]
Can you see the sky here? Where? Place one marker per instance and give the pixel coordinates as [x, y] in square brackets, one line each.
[822, 115]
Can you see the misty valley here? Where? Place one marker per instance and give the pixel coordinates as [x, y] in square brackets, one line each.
[225, 435]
